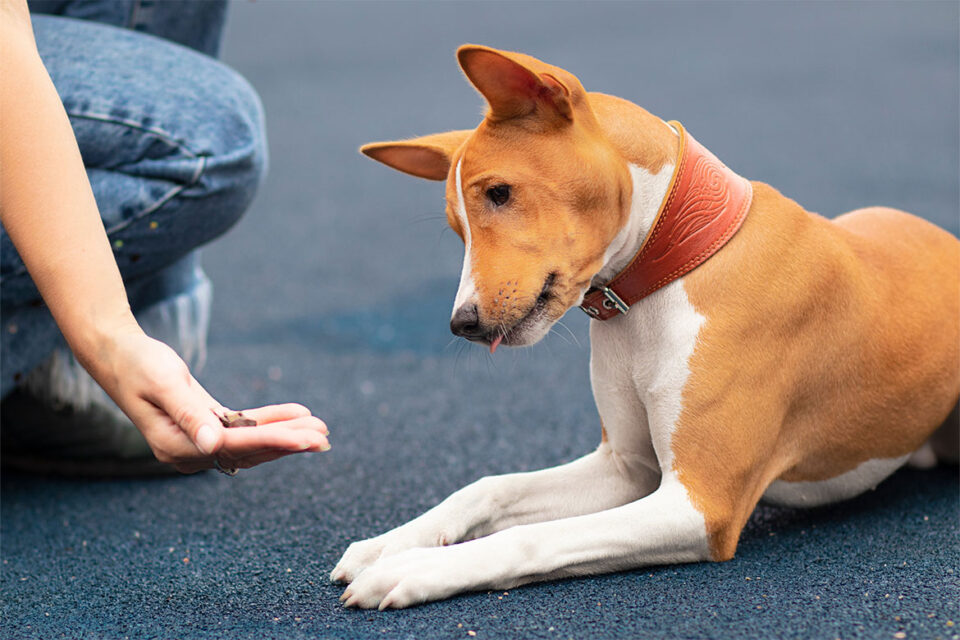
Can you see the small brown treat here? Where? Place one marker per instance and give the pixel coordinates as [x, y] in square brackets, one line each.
[231, 419]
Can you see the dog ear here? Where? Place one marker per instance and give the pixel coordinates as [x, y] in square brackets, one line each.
[426, 157]
[515, 84]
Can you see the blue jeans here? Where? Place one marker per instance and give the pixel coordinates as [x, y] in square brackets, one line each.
[173, 142]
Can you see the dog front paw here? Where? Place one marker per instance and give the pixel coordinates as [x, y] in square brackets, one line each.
[358, 556]
[404, 579]
[364, 553]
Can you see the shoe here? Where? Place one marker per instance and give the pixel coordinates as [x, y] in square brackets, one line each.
[69, 441]
[60, 422]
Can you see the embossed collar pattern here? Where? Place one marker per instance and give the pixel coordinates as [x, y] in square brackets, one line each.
[704, 206]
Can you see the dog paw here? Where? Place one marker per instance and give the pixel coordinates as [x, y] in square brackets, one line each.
[407, 578]
[364, 553]
[357, 557]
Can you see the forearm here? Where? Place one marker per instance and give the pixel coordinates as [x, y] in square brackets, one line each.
[46, 203]
[48, 210]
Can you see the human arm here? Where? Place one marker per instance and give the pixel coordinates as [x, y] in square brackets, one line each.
[49, 212]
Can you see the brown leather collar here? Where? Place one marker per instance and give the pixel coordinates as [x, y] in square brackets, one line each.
[704, 206]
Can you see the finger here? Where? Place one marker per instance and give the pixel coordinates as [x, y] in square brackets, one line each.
[259, 458]
[247, 462]
[191, 467]
[304, 425]
[168, 441]
[246, 441]
[277, 412]
[238, 459]
[265, 454]
[187, 403]
[307, 422]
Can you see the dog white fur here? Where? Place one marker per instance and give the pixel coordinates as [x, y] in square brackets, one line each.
[803, 363]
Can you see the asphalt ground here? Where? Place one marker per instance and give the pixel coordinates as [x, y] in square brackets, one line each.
[336, 289]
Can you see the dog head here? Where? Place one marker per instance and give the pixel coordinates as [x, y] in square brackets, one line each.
[536, 192]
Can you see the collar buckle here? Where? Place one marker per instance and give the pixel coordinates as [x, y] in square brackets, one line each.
[613, 301]
[591, 311]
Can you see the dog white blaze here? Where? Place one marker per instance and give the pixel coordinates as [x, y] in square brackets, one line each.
[467, 289]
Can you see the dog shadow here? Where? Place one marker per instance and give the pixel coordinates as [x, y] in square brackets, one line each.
[908, 492]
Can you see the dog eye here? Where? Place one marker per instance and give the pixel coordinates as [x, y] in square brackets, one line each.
[499, 194]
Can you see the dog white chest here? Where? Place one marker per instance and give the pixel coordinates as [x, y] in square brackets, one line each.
[639, 365]
[639, 361]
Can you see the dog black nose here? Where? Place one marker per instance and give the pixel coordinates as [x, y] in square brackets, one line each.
[466, 322]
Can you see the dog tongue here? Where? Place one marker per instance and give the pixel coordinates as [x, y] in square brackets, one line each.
[493, 345]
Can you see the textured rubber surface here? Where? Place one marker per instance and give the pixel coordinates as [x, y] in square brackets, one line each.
[350, 280]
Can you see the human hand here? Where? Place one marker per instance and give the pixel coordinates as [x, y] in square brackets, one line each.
[49, 211]
[179, 419]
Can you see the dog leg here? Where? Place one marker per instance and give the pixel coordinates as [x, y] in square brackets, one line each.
[663, 527]
[597, 481]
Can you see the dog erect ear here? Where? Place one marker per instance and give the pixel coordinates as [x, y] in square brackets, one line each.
[426, 157]
[515, 84]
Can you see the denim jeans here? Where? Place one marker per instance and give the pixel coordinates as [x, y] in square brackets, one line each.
[173, 142]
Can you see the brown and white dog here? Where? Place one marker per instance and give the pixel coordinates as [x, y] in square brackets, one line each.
[743, 348]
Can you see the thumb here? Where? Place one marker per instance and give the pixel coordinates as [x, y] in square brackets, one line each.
[208, 437]
[191, 411]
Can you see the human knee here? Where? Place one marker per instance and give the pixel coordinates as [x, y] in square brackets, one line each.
[165, 125]
[233, 147]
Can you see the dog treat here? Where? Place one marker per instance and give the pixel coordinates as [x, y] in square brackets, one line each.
[231, 419]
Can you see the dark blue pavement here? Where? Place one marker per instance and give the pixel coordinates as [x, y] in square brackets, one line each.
[336, 290]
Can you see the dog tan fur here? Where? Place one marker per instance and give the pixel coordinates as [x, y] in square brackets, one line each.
[827, 344]
[816, 347]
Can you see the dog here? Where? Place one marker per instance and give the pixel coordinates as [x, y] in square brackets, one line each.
[742, 348]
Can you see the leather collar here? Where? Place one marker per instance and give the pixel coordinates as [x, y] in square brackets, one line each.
[704, 206]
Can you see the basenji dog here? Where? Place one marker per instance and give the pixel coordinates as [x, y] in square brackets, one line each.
[742, 347]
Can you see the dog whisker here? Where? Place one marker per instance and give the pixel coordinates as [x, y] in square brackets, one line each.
[427, 217]
[572, 334]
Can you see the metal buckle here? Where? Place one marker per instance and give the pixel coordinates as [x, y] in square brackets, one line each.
[613, 301]
[593, 312]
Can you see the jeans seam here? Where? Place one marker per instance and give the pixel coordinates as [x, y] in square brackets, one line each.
[172, 193]
[132, 124]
